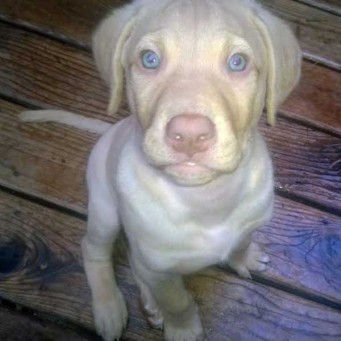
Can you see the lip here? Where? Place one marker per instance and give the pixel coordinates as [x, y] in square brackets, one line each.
[187, 168]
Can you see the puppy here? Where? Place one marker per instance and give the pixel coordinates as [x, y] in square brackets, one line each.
[187, 175]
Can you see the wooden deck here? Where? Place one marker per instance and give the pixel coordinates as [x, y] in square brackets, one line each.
[45, 63]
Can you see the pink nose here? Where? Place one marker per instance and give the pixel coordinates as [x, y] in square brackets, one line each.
[190, 133]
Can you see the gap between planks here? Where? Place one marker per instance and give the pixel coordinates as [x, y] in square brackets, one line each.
[307, 56]
[21, 324]
[332, 7]
[257, 278]
[291, 11]
[231, 306]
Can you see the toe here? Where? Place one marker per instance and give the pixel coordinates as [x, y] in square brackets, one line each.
[243, 272]
[264, 258]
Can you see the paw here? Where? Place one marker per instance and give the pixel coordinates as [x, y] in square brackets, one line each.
[155, 319]
[149, 306]
[155, 316]
[253, 258]
[111, 317]
[190, 331]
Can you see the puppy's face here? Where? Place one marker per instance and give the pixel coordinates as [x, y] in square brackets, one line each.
[196, 79]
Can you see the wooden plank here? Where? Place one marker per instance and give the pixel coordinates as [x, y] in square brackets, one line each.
[306, 160]
[332, 6]
[58, 17]
[331, 2]
[38, 160]
[22, 327]
[43, 271]
[49, 74]
[41, 161]
[335, 3]
[317, 98]
[318, 31]
[304, 246]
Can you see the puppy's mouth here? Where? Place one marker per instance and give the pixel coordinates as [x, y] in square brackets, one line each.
[190, 173]
[187, 167]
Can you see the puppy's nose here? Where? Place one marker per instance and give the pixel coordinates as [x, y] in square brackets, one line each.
[190, 133]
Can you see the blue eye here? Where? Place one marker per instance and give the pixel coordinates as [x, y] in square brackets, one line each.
[237, 63]
[150, 60]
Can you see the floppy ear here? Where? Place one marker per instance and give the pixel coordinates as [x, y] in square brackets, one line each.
[283, 58]
[108, 42]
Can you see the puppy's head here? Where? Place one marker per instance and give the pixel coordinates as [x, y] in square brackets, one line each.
[199, 74]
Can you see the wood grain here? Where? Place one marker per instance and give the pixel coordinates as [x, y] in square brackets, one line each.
[306, 160]
[38, 160]
[317, 98]
[17, 326]
[304, 245]
[40, 262]
[42, 270]
[318, 31]
[46, 73]
[58, 17]
[332, 6]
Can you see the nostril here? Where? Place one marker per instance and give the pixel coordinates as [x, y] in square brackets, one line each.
[185, 125]
[204, 137]
[190, 133]
[177, 137]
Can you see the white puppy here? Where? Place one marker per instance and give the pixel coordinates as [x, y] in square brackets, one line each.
[187, 175]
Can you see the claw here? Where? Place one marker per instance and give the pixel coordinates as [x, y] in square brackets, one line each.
[244, 272]
[253, 258]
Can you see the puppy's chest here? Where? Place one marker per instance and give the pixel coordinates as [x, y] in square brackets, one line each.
[169, 235]
[169, 228]
[193, 250]
[180, 246]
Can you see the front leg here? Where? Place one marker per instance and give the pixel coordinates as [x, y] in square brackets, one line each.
[248, 257]
[180, 313]
[109, 308]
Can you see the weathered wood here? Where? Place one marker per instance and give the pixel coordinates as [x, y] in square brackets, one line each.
[22, 327]
[41, 161]
[40, 265]
[69, 19]
[49, 74]
[318, 31]
[306, 161]
[38, 160]
[304, 245]
[332, 6]
[42, 270]
[335, 3]
[317, 98]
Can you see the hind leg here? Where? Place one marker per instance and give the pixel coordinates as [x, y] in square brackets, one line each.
[248, 257]
[155, 317]
[166, 298]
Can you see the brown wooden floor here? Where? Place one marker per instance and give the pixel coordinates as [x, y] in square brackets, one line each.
[45, 63]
